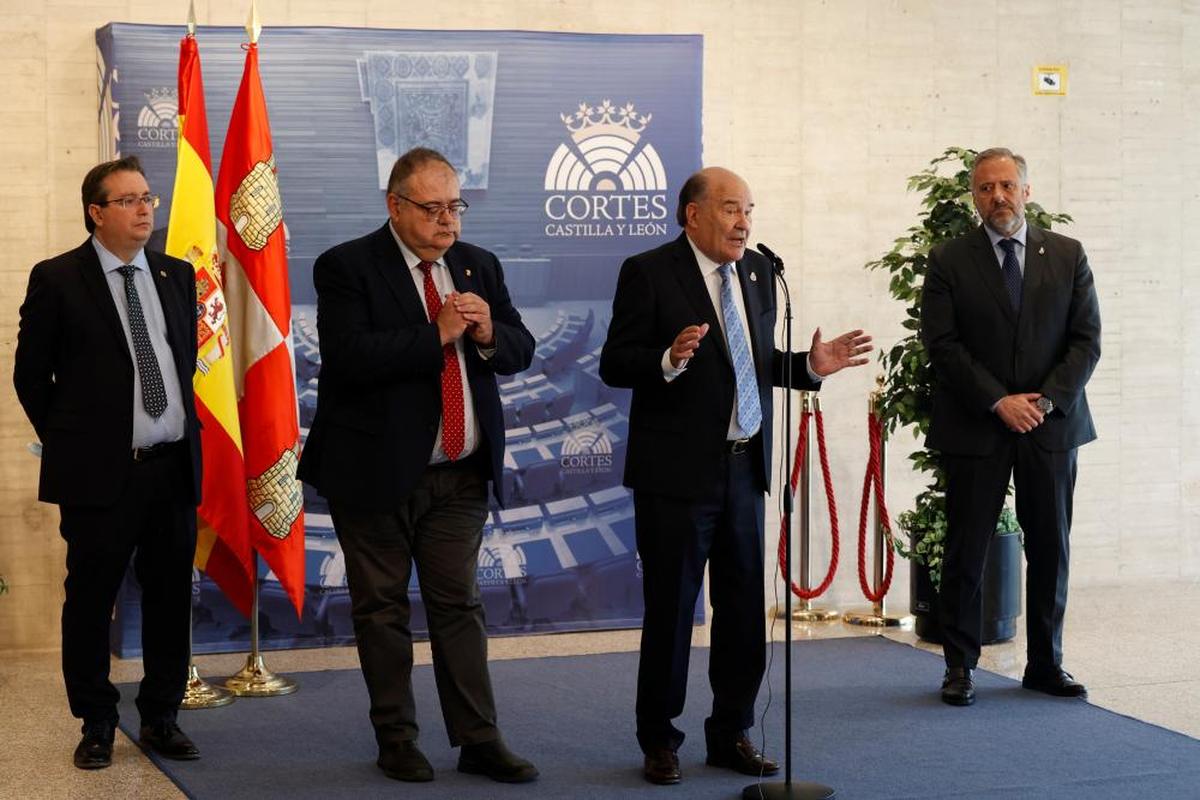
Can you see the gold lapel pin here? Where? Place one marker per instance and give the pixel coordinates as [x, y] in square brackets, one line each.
[753, 276]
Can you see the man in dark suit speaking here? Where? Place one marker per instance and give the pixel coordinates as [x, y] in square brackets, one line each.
[414, 326]
[1010, 320]
[104, 363]
[692, 334]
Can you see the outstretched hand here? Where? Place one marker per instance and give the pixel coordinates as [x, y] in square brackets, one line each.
[847, 350]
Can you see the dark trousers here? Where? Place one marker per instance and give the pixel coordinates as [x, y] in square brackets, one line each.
[438, 527]
[154, 522]
[675, 538]
[975, 491]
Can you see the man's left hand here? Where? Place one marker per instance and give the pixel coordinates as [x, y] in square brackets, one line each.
[847, 350]
[478, 315]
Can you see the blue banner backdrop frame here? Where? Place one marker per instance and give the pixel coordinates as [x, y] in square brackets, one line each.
[571, 149]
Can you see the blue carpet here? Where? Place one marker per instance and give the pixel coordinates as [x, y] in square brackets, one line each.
[868, 722]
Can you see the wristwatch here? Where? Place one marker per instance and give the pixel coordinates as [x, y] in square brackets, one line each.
[1045, 404]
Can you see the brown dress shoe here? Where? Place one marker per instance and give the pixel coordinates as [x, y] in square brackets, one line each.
[166, 739]
[1053, 680]
[94, 750]
[958, 686]
[661, 766]
[742, 756]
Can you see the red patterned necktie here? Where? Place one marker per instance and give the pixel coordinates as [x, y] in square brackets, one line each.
[452, 390]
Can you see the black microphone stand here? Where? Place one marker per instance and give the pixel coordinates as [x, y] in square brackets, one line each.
[787, 790]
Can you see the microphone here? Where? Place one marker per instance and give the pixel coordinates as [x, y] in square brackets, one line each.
[775, 260]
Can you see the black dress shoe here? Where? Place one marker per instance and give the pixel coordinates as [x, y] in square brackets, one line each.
[1053, 680]
[958, 686]
[95, 748]
[661, 766]
[496, 761]
[740, 755]
[168, 741]
[404, 761]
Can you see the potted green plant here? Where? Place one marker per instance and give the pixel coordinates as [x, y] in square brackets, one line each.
[906, 399]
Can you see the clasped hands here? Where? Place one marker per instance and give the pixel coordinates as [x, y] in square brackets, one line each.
[1019, 412]
[824, 357]
[465, 313]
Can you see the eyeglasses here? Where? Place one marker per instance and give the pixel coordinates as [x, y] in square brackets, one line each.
[129, 201]
[455, 208]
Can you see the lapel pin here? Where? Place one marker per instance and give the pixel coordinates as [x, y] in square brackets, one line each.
[1041, 251]
[162, 273]
[468, 273]
[754, 276]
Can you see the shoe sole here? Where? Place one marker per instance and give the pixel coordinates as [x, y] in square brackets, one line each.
[662, 781]
[398, 776]
[1053, 693]
[149, 748]
[93, 766]
[959, 701]
[470, 769]
[752, 773]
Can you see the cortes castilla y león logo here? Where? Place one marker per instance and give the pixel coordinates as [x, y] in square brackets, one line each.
[606, 179]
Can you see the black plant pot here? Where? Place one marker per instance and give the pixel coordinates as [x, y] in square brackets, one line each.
[1001, 593]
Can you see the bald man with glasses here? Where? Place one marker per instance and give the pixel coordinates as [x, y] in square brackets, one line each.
[414, 327]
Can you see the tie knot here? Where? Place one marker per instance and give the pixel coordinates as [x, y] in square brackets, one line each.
[726, 269]
[127, 270]
[1008, 245]
[425, 266]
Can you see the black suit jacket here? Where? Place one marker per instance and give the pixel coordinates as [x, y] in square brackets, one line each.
[677, 430]
[980, 350]
[379, 396]
[74, 373]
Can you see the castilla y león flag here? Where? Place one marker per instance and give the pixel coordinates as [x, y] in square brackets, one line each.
[251, 241]
[223, 543]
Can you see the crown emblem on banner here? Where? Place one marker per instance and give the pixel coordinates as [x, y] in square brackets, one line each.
[160, 93]
[583, 120]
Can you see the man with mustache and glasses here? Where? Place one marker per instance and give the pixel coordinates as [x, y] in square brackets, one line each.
[414, 327]
[692, 334]
[1010, 319]
[104, 363]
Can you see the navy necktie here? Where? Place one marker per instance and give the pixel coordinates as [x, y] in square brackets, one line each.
[1012, 272]
[154, 396]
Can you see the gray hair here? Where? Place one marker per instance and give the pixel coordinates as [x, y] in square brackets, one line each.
[1001, 152]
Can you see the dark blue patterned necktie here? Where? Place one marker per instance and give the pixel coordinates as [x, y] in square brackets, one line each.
[154, 396]
[1012, 272]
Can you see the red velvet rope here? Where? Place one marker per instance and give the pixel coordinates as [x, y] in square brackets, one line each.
[801, 446]
[874, 476]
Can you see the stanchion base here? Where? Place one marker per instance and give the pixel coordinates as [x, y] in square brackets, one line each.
[796, 790]
[255, 680]
[871, 619]
[802, 614]
[199, 693]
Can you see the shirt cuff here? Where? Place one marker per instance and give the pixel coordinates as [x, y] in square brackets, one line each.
[486, 352]
[813, 376]
[670, 372]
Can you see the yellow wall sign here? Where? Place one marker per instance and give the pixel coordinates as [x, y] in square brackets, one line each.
[1050, 79]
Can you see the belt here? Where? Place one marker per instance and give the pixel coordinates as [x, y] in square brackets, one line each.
[735, 447]
[157, 450]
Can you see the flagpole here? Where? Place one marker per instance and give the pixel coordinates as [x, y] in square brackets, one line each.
[254, 679]
[199, 693]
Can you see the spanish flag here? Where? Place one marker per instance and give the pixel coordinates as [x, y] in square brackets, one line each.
[223, 545]
[250, 238]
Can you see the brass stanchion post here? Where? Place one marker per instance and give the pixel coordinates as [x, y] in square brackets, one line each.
[254, 679]
[199, 693]
[878, 615]
[806, 611]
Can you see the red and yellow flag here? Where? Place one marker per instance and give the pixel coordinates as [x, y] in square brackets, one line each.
[223, 543]
[254, 260]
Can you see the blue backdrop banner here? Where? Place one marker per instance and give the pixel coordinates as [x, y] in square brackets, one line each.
[570, 149]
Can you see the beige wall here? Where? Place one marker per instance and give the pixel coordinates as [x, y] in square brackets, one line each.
[826, 108]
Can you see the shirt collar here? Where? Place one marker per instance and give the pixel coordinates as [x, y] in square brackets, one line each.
[1019, 236]
[111, 263]
[707, 265]
[411, 259]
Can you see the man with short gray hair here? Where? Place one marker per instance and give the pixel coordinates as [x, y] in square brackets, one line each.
[1011, 322]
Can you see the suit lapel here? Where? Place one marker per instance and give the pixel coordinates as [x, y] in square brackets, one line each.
[172, 298]
[984, 256]
[749, 275]
[1036, 266]
[389, 262]
[93, 277]
[691, 283]
[458, 273]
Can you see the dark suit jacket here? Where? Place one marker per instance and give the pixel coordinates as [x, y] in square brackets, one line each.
[379, 396]
[677, 430]
[74, 372]
[981, 350]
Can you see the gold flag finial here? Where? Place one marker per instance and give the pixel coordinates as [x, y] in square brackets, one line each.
[191, 23]
[253, 26]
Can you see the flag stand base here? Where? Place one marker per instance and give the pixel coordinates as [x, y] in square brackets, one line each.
[255, 680]
[199, 693]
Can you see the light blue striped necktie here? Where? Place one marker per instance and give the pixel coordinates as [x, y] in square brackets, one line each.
[749, 412]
